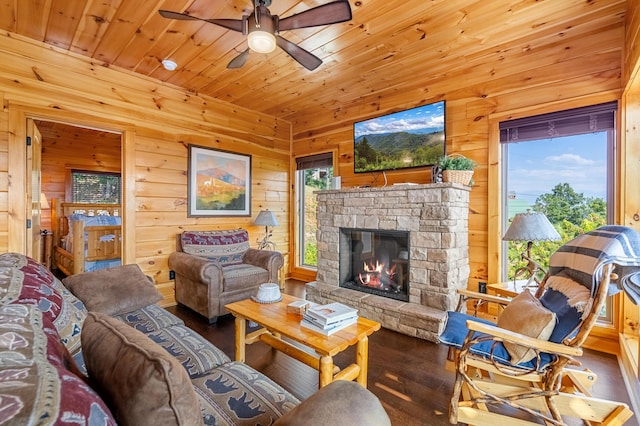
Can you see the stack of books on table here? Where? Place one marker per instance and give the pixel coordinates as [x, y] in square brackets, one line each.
[327, 319]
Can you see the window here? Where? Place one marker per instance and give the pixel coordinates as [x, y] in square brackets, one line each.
[560, 164]
[313, 173]
[95, 187]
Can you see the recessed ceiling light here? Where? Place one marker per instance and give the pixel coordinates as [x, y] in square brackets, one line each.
[169, 65]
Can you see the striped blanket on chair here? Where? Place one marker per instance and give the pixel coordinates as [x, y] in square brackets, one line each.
[583, 258]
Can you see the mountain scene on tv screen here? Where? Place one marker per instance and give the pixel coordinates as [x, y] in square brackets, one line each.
[398, 150]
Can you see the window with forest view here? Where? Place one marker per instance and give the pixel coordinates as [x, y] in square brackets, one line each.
[572, 213]
[95, 187]
[314, 174]
[569, 178]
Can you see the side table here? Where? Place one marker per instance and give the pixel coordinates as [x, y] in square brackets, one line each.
[507, 289]
[279, 327]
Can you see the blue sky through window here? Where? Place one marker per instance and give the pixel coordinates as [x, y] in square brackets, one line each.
[424, 119]
[535, 167]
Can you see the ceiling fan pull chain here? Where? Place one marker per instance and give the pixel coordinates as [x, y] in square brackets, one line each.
[257, 13]
[257, 5]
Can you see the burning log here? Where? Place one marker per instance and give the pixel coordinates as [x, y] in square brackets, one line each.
[376, 276]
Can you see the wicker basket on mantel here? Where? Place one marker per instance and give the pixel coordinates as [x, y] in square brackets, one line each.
[457, 176]
[451, 165]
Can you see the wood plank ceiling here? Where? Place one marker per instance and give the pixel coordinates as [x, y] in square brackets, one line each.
[389, 47]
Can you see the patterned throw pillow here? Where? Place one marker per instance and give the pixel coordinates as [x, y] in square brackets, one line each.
[35, 382]
[225, 247]
[69, 322]
[10, 281]
[25, 281]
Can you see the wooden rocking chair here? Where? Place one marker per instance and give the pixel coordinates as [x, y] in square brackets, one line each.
[520, 362]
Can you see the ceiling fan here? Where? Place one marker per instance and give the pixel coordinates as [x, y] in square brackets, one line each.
[262, 29]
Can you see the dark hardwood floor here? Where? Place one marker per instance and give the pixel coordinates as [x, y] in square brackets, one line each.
[407, 374]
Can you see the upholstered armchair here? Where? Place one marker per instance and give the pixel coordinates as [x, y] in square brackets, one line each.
[214, 268]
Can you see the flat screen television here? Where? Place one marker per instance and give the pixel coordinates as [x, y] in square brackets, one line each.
[409, 138]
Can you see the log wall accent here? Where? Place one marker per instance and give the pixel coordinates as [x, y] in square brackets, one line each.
[157, 122]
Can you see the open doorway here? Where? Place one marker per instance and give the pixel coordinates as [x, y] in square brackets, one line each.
[80, 175]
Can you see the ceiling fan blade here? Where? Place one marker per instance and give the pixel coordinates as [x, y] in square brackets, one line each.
[304, 58]
[330, 13]
[177, 15]
[231, 24]
[239, 60]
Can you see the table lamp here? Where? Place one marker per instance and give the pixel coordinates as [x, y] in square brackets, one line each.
[267, 219]
[44, 203]
[530, 227]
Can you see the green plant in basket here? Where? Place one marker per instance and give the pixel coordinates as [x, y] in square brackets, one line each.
[457, 168]
[456, 162]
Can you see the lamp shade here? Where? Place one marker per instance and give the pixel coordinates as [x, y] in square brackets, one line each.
[531, 226]
[44, 203]
[266, 218]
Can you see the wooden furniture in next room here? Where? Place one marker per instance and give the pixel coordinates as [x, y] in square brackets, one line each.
[278, 324]
[86, 237]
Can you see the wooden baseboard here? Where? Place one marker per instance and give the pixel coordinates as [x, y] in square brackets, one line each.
[302, 274]
[628, 361]
[602, 344]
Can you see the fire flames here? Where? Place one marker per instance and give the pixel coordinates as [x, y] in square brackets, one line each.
[377, 276]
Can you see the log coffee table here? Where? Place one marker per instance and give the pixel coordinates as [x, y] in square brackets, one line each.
[277, 324]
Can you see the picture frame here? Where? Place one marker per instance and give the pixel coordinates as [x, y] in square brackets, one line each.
[219, 183]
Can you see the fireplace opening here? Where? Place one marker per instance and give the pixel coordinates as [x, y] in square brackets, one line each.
[375, 261]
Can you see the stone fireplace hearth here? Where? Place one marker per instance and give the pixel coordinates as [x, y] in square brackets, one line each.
[436, 217]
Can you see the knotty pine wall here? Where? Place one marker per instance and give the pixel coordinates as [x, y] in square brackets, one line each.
[632, 39]
[629, 315]
[157, 123]
[501, 87]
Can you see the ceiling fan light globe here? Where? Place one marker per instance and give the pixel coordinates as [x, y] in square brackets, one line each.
[261, 41]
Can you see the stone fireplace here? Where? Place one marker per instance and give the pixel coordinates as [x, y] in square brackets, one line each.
[435, 218]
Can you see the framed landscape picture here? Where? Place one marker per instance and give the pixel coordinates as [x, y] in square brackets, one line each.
[219, 183]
